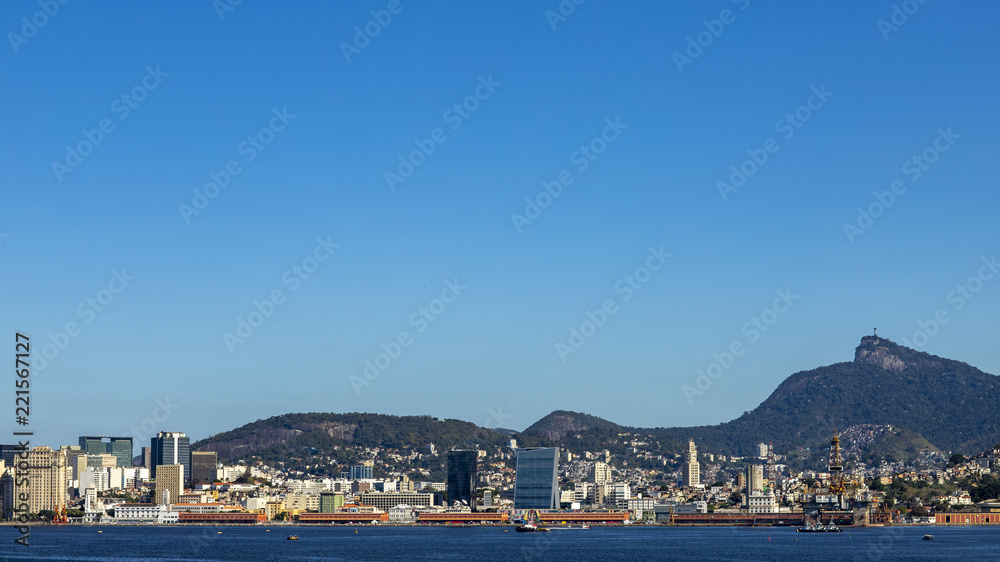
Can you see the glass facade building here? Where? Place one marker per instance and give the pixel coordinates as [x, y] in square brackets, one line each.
[204, 466]
[461, 484]
[361, 472]
[170, 448]
[120, 447]
[536, 483]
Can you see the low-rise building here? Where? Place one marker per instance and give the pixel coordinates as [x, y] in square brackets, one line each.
[762, 502]
[142, 513]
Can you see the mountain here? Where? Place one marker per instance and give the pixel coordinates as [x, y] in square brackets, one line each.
[560, 424]
[951, 404]
[896, 400]
[288, 436]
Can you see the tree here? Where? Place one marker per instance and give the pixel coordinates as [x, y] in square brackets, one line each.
[876, 485]
[956, 459]
[736, 498]
[47, 514]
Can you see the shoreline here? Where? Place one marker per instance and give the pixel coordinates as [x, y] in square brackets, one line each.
[464, 525]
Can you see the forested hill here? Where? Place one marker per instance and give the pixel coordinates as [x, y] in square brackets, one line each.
[297, 435]
[952, 404]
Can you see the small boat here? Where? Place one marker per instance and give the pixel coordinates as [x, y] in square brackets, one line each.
[531, 528]
[293, 537]
[584, 526]
[928, 537]
[831, 528]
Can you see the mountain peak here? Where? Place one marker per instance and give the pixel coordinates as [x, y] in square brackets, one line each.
[561, 423]
[880, 352]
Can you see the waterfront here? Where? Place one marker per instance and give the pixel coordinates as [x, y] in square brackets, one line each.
[399, 543]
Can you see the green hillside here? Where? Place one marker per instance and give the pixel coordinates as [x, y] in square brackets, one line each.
[952, 404]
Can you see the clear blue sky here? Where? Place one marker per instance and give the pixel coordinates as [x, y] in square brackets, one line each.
[494, 348]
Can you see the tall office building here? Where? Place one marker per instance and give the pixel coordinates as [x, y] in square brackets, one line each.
[147, 457]
[120, 447]
[462, 468]
[755, 478]
[600, 473]
[7, 493]
[8, 454]
[169, 483]
[692, 468]
[361, 472]
[44, 481]
[762, 450]
[536, 484]
[203, 466]
[170, 448]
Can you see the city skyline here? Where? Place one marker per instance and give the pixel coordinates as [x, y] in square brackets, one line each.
[345, 221]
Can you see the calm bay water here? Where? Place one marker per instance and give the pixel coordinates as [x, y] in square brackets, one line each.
[482, 543]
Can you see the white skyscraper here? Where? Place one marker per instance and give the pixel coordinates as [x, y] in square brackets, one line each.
[692, 468]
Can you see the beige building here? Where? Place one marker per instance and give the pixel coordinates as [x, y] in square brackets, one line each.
[76, 461]
[300, 503]
[273, 508]
[692, 468]
[169, 482]
[386, 500]
[755, 478]
[102, 460]
[46, 480]
[600, 473]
